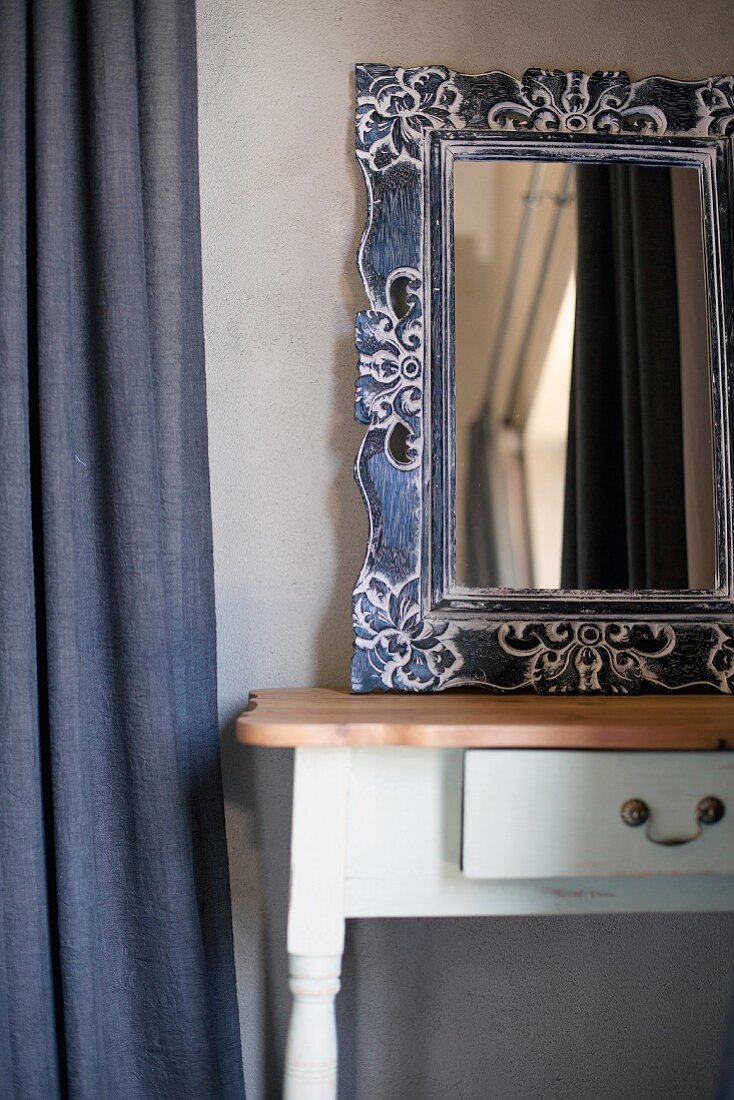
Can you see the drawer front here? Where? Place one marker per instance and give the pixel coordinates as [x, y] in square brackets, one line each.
[553, 814]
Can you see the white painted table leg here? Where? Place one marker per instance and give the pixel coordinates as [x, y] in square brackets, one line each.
[316, 919]
[311, 1051]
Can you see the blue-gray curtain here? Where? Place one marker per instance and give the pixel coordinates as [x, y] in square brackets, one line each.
[116, 969]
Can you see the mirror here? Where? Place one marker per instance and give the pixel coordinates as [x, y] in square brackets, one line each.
[545, 380]
[583, 406]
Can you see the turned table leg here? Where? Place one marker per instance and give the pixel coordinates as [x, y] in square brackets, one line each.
[311, 1051]
[316, 919]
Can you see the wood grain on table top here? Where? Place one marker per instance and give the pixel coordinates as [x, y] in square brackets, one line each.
[292, 717]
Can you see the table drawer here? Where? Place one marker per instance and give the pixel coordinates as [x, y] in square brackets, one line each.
[555, 814]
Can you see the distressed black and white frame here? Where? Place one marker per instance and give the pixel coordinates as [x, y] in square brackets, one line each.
[415, 630]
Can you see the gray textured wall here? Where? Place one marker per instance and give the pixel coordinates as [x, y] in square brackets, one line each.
[518, 1009]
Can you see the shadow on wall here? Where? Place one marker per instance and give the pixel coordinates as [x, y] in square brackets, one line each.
[257, 788]
[258, 783]
[334, 639]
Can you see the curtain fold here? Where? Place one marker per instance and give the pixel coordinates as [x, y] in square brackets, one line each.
[116, 968]
[624, 514]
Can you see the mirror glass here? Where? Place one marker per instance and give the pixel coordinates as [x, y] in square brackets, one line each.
[582, 373]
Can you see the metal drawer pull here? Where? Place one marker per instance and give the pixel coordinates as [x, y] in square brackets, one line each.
[635, 812]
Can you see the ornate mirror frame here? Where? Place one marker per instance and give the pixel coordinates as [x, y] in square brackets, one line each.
[414, 630]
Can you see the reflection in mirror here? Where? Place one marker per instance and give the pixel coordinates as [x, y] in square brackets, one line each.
[583, 395]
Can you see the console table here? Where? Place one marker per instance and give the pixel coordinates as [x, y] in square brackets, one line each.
[468, 804]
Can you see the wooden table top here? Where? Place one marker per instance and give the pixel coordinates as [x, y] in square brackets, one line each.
[292, 717]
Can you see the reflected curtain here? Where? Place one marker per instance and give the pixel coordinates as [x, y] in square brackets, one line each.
[116, 967]
[624, 511]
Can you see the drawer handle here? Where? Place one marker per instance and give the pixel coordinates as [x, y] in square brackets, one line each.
[635, 812]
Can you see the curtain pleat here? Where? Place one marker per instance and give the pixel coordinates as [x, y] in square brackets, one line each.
[115, 929]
